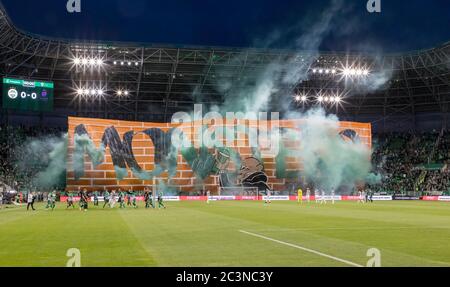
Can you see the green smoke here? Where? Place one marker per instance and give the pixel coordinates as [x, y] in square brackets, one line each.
[84, 144]
[42, 162]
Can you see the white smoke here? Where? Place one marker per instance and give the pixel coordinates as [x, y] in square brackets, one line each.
[330, 160]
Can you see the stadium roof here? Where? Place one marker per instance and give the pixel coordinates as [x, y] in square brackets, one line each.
[163, 79]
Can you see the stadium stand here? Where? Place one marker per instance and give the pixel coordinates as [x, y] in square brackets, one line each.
[167, 79]
[407, 162]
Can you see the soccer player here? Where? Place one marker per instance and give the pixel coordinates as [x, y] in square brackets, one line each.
[149, 198]
[121, 199]
[106, 198]
[146, 196]
[332, 195]
[300, 196]
[30, 201]
[160, 200]
[208, 195]
[129, 193]
[84, 200]
[370, 196]
[308, 195]
[360, 197]
[134, 200]
[268, 195]
[95, 198]
[316, 195]
[322, 198]
[70, 200]
[112, 199]
[54, 199]
[1, 199]
[51, 199]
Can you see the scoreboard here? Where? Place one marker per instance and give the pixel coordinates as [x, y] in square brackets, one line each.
[27, 95]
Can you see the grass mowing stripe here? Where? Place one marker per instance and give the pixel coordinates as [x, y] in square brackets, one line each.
[302, 248]
[138, 239]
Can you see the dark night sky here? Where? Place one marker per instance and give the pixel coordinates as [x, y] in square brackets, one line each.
[402, 25]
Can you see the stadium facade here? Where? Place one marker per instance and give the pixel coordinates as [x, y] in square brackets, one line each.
[158, 80]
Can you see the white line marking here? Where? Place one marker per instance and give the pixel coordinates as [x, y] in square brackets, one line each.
[302, 248]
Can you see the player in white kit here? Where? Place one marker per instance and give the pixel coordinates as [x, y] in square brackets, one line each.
[322, 198]
[112, 200]
[332, 195]
[361, 197]
[308, 195]
[268, 195]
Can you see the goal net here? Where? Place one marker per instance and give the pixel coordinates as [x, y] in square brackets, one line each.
[238, 191]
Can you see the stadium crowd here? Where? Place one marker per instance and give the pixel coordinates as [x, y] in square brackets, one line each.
[15, 154]
[412, 162]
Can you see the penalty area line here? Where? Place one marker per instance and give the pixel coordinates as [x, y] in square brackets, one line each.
[302, 248]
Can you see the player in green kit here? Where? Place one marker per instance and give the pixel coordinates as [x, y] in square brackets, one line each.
[95, 198]
[129, 195]
[134, 200]
[160, 200]
[51, 199]
[121, 199]
[106, 198]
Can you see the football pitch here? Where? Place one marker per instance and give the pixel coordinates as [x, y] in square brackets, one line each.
[230, 233]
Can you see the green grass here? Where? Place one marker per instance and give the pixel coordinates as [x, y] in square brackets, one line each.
[196, 234]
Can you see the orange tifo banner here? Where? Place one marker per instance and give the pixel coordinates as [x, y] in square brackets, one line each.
[187, 157]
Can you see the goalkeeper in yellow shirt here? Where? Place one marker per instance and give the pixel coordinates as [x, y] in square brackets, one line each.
[300, 195]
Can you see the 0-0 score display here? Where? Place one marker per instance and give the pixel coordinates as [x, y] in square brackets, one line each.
[27, 95]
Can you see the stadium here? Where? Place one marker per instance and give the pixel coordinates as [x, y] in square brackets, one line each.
[130, 154]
